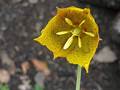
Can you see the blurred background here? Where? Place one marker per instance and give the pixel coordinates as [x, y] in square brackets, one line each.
[26, 65]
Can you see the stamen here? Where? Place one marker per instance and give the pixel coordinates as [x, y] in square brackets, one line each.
[82, 23]
[62, 32]
[68, 21]
[79, 42]
[68, 43]
[89, 34]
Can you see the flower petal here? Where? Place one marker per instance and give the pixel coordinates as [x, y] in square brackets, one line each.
[51, 40]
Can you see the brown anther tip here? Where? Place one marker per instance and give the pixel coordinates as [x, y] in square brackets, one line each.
[100, 39]
[57, 7]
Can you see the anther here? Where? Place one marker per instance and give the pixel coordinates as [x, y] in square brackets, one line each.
[82, 23]
[68, 21]
[62, 32]
[68, 43]
[89, 34]
[79, 42]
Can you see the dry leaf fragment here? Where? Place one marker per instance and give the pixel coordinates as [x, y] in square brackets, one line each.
[41, 66]
[25, 66]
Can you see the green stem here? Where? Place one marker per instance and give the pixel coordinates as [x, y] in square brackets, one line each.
[78, 78]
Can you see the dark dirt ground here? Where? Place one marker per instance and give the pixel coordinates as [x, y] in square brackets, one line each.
[22, 20]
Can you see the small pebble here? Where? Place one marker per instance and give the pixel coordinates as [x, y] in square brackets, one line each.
[25, 83]
[4, 76]
[115, 31]
[3, 27]
[16, 1]
[33, 1]
[105, 55]
[39, 79]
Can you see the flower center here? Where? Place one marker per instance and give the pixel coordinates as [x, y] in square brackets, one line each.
[76, 31]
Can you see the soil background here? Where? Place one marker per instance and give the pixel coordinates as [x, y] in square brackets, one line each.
[22, 20]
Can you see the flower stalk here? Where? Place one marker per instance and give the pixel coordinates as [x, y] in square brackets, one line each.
[78, 78]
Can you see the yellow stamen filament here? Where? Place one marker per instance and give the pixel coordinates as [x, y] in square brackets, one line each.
[68, 43]
[89, 34]
[62, 32]
[79, 42]
[82, 23]
[68, 21]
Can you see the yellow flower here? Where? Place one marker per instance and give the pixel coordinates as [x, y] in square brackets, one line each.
[73, 34]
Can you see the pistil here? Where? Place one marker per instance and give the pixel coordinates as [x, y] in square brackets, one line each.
[76, 31]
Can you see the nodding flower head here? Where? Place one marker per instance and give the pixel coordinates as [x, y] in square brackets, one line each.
[73, 34]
